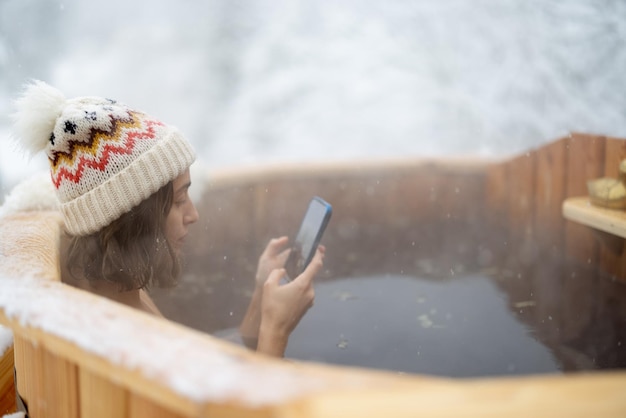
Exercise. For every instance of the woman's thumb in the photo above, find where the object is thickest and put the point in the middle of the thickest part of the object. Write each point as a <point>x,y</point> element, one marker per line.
<point>275,276</point>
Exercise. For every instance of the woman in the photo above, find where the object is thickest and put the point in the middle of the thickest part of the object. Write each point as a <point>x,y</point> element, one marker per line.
<point>122,179</point>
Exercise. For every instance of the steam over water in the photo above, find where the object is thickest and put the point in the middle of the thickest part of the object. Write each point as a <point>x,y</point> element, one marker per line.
<point>275,80</point>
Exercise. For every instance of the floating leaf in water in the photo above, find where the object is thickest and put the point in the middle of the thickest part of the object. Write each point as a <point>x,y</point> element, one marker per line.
<point>351,257</point>
<point>490,271</point>
<point>524,304</point>
<point>425,321</point>
<point>343,296</point>
<point>425,266</point>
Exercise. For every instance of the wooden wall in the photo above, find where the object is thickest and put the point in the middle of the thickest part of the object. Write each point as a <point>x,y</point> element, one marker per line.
<point>7,388</point>
<point>527,194</point>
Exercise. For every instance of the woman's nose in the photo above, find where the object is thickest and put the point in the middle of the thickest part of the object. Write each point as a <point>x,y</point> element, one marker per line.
<point>192,215</point>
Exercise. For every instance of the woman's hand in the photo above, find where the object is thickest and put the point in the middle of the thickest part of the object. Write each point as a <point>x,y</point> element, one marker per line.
<point>273,257</point>
<point>284,306</point>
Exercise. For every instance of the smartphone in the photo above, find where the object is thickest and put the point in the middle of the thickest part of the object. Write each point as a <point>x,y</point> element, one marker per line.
<point>309,235</point>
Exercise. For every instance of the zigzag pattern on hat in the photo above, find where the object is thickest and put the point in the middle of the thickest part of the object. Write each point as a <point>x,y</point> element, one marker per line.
<point>106,133</point>
<point>101,146</point>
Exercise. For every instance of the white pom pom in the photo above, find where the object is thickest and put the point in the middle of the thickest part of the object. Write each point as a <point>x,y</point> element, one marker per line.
<point>33,194</point>
<point>36,113</point>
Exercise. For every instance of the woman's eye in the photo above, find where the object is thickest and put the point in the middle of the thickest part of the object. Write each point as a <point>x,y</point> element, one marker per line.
<point>182,199</point>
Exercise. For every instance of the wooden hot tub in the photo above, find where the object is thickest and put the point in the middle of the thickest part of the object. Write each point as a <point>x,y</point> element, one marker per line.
<point>441,220</point>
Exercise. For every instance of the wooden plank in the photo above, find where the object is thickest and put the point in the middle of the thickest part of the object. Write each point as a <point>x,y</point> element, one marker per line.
<point>406,198</point>
<point>233,410</point>
<point>585,161</point>
<point>30,370</point>
<point>585,156</point>
<point>614,154</point>
<point>140,407</point>
<point>60,386</point>
<point>466,242</point>
<point>612,258</point>
<point>521,189</point>
<point>20,363</point>
<point>464,196</point>
<point>580,210</point>
<point>549,195</point>
<point>420,201</point>
<point>100,397</point>
<point>7,386</point>
<point>7,403</point>
<point>546,277</point>
<point>575,396</point>
<point>496,213</point>
<point>497,191</point>
<point>521,194</point>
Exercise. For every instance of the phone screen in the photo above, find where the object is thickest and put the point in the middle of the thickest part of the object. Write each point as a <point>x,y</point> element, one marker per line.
<point>309,235</point>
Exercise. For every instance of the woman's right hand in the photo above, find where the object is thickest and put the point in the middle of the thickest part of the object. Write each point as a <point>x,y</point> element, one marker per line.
<point>284,306</point>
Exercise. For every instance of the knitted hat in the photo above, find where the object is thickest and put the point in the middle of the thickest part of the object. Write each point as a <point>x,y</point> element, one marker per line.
<point>105,158</point>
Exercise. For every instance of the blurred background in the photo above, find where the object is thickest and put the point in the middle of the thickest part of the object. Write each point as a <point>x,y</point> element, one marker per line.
<point>272,80</point>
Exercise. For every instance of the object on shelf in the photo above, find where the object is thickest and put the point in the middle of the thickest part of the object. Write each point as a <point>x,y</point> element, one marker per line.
<point>608,192</point>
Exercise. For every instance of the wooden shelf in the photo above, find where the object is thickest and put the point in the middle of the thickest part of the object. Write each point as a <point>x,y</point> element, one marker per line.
<point>580,209</point>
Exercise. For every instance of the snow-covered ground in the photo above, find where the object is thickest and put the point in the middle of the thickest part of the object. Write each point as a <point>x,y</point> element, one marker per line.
<point>275,80</point>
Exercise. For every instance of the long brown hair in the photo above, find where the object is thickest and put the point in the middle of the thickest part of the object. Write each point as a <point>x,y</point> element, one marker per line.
<point>132,251</point>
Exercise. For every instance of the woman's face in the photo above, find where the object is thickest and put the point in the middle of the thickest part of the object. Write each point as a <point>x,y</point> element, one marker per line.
<point>182,214</point>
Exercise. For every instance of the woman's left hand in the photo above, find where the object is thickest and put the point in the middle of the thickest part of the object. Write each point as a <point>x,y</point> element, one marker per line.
<point>273,257</point>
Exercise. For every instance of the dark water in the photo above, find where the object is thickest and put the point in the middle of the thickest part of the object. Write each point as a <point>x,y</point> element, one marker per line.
<point>459,328</point>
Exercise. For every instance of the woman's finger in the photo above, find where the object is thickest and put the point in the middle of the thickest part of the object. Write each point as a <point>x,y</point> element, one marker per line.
<point>276,245</point>
<point>283,256</point>
<point>313,268</point>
